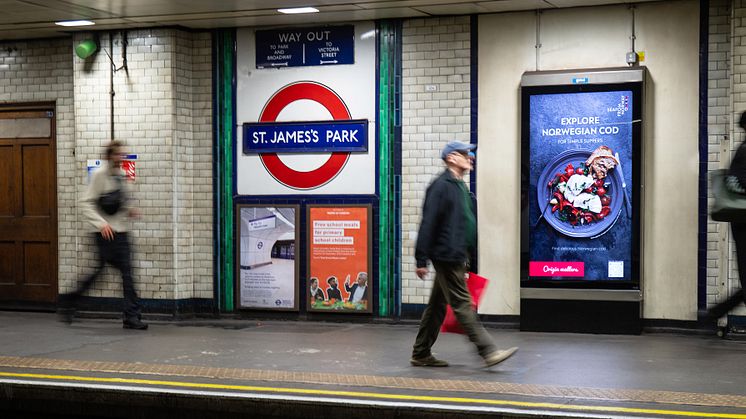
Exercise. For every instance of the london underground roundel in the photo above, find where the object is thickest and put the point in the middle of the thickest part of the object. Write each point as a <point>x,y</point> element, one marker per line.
<point>333,103</point>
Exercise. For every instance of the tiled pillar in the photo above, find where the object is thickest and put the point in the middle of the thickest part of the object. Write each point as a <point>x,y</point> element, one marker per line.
<point>436,108</point>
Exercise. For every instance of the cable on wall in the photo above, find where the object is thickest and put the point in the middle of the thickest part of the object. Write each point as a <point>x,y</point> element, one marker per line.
<point>112,69</point>
<point>537,46</point>
<point>632,56</point>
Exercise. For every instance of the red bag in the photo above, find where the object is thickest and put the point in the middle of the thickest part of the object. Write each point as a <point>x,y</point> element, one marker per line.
<point>476,284</point>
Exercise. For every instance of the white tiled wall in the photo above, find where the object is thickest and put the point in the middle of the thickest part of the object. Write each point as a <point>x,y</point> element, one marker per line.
<point>726,102</point>
<point>163,112</point>
<point>193,165</point>
<point>42,71</point>
<point>435,55</point>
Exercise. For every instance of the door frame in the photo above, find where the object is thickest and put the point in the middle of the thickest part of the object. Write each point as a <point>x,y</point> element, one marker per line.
<point>49,106</point>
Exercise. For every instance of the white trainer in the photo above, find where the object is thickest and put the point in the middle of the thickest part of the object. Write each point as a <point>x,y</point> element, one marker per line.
<point>499,356</point>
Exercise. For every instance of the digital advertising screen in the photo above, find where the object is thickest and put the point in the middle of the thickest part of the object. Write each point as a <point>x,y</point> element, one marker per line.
<point>580,185</point>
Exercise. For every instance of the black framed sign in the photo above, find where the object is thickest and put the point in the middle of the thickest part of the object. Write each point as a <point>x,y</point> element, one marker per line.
<point>267,238</point>
<point>339,259</point>
<point>581,157</point>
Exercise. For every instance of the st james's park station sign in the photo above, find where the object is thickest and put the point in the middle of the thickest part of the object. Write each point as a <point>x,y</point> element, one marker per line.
<point>306,106</point>
<point>305,101</point>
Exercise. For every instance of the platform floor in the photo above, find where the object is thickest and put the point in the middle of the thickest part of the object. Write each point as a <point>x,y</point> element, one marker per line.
<point>313,369</point>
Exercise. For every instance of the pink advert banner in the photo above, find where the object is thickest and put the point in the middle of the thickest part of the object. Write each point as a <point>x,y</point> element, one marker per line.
<point>556,269</point>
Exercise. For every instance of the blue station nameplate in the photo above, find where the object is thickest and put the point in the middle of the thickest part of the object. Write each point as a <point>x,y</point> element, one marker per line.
<point>305,137</point>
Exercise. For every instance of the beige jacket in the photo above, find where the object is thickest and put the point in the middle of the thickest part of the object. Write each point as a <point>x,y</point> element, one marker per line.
<point>102,182</point>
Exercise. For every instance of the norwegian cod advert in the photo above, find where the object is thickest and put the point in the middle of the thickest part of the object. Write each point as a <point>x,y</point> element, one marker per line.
<point>579,196</point>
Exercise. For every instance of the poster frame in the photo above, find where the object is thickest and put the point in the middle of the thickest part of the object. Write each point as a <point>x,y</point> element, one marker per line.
<point>578,81</point>
<point>296,258</point>
<point>369,260</point>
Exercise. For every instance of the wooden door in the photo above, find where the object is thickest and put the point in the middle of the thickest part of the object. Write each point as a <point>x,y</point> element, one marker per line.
<point>28,204</point>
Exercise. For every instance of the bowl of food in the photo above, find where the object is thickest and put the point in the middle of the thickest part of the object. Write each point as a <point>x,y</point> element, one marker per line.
<point>580,193</point>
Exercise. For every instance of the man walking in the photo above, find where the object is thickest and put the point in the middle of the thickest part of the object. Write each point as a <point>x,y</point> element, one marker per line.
<point>105,207</point>
<point>447,237</point>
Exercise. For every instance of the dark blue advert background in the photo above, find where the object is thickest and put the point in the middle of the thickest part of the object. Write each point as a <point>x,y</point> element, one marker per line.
<point>546,243</point>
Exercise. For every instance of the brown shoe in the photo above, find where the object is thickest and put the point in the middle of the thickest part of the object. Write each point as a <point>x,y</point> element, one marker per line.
<point>428,361</point>
<point>497,357</point>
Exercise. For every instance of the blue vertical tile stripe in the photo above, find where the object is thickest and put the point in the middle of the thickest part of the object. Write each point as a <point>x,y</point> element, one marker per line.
<point>382,100</point>
<point>474,111</point>
<point>704,17</point>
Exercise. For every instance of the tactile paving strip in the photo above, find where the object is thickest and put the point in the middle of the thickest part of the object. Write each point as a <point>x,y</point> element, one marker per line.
<point>420,384</point>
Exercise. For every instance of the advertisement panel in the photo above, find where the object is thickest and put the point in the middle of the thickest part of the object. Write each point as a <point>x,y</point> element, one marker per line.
<point>581,153</point>
<point>311,129</point>
<point>268,255</point>
<point>339,252</point>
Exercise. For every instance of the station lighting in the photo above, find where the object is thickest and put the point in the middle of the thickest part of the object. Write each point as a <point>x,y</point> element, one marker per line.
<point>74,23</point>
<point>298,10</point>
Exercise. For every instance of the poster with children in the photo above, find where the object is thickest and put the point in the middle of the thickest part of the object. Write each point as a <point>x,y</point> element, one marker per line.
<point>339,259</point>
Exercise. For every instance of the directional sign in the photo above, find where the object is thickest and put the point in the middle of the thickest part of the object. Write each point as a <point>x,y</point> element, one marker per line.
<point>296,47</point>
<point>305,137</point>
<point>264,223</point>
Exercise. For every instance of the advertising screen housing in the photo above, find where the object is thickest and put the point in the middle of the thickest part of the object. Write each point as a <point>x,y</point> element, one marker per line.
<point>581,167</point>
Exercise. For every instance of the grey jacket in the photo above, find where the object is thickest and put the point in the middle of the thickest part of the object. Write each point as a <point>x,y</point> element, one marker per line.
<point>101,182</point>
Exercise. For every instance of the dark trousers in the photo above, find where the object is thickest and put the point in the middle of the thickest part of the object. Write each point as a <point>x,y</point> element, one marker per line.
<point>450,288</point>
<point>117,253</point>
<point>739,236</point>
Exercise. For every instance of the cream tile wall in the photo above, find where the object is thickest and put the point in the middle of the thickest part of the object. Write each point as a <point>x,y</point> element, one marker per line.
<point>508,47</point>
<point>726,102</point>
<point>435,54</point>
<point>163,112</point>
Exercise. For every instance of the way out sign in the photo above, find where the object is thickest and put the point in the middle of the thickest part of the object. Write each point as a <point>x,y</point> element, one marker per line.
<point>297,47</point>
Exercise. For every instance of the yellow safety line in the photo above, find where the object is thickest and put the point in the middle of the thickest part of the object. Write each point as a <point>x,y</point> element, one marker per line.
<point>407,397</point>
